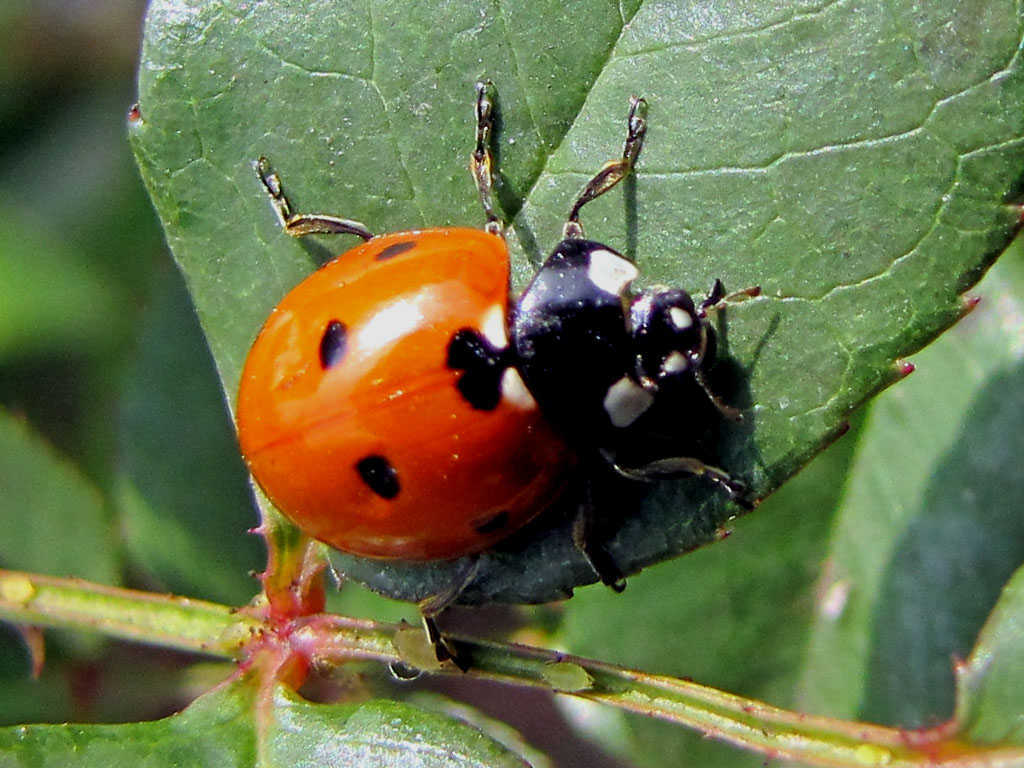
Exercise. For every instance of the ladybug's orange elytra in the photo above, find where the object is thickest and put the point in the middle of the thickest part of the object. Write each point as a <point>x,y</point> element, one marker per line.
<point>370,446</point>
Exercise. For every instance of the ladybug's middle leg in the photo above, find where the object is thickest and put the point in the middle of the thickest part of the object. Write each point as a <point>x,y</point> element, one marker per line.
<point>481,162</point>
<point>613,171</point>
<point>717,299</point>
<point>588,533</point>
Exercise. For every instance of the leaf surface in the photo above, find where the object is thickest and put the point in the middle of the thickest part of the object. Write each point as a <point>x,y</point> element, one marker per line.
<point>221,728</point>
<point>856,161</point>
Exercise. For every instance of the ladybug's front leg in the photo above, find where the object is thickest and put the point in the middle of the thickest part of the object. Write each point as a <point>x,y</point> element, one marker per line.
<point>687,465</point>
<point>301,224</point>
<point>717,297</point>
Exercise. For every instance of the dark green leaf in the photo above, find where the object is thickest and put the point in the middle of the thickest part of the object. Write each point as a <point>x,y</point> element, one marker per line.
<point>53,519</point>
<point>929,528</point>
<point>182,493</point>
<point>990,703</point>
<point>855,161</point>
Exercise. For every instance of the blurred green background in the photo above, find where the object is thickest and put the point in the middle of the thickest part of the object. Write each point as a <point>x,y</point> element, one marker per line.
<point>109,407</point>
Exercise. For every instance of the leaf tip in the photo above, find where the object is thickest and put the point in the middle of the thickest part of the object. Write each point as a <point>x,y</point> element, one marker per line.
<point>968,303</point>
<point>904,368</point>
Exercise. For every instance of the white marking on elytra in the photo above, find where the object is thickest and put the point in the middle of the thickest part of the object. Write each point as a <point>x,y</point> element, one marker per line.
<point>513,389</point>
<point>610,272</point>
<point>680,318</point>
<point>392,323</point>
<point>626,401</point>
<point>675,363</point>
<point>492,325</point>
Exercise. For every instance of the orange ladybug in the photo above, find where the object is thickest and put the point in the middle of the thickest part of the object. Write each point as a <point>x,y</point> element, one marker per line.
<point>397,404</point>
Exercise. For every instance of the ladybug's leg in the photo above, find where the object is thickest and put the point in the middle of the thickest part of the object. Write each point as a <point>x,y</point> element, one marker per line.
<point>434,606</point>
<point>613,171</point>
<point>718,298</point>
<point>444,648</point>
<point>481,162</point>
<point>299,224</point>
<point>677,465</point>
<point>730,412</point>
<point>588,539</point>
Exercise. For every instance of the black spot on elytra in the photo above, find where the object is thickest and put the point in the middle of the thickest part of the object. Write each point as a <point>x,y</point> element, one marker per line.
<point>492,524</point>
<point>378,473</point>
<point>332,344</point>
<point>395,249</point>
<point>483,366</point>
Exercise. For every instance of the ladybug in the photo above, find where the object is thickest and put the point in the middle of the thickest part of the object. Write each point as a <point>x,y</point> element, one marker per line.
<point>398,404</point>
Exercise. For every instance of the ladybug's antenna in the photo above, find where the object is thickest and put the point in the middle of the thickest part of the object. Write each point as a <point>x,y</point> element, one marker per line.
<point>613,171</point>
<point>481,161</point>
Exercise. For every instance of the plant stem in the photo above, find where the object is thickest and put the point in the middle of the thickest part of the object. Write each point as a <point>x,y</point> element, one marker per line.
<point>164,620</point>
<point>327,640</point>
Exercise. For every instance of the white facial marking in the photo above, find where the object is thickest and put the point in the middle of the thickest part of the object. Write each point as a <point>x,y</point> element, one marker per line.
<point>610,272</point>
<point>675,363</point>
<point>513,390</point>
<point>680,318</point>
<point>492,325</point>
<point>625,401</point>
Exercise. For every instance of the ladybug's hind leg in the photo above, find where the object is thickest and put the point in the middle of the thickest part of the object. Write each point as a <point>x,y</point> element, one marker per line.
<point>445,649</point>
<point>613,171</point>
<point>301,224</point>
<point>604,497</point>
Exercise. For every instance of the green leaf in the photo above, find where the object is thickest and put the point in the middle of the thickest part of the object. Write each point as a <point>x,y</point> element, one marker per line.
<point>854,161</point>
<point>53,303</point>
<point>53,519</point>
<point>990,703</point>
<point>929,528</point>
<point>230,726</point>
<point>182,493</point>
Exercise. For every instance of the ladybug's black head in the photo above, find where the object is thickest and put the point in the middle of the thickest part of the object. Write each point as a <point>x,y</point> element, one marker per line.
<point>671,337</point>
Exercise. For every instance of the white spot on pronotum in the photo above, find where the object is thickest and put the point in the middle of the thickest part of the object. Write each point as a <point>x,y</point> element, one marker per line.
<point>514,391</point>
<point>680,318</point>
<point>492,325</point>
<point>675,363</point>
<point>625,401</point>
<point>610,272</point>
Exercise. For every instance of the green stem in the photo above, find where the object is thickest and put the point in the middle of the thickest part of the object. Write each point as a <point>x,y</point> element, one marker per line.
<point>327,640</point>
<point>164,620</point>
